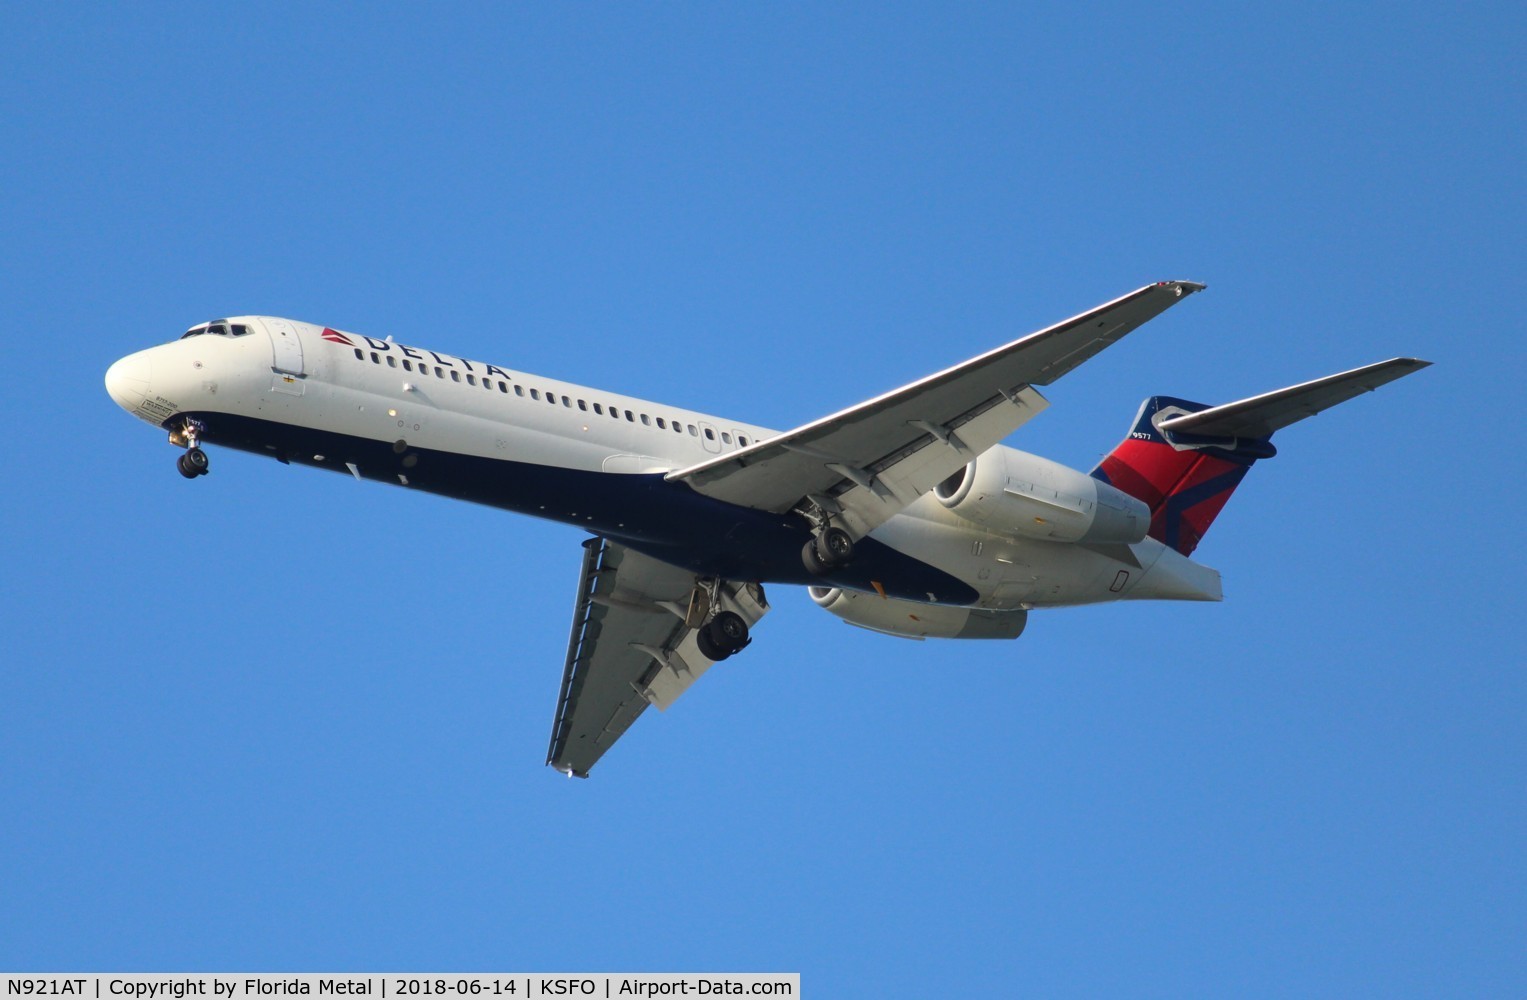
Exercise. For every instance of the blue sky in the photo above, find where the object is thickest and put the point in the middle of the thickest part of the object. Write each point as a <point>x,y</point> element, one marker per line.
<point>273,719</point>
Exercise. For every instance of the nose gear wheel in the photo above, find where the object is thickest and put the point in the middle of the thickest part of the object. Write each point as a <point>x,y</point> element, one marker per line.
<point>193,463</point>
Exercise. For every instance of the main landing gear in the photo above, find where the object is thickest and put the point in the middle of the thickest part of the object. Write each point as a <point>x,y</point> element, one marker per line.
<point>827,550</point>
<point>722,636</point>
<point>194,462</point>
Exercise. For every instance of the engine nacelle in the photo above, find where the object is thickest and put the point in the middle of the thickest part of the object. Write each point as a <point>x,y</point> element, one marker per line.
<point>912,620</point>
<point>1012,492</point>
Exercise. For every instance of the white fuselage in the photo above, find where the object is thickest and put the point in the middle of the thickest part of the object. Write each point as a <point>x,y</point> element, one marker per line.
<point>315,396</point>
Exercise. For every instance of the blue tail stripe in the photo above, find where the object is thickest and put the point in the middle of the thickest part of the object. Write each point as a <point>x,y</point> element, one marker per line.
<point>1179,504</point>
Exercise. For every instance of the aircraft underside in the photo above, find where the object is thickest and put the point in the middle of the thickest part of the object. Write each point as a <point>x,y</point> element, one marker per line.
<point>666,520</point>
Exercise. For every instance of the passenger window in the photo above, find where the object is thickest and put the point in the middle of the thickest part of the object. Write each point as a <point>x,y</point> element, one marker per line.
<point>646,420</point>
<point>551,398</point>
<point>710,435</point>
<point>630,417</point>
<point>439,372</point>
<point>408,365</point>
<point>726,438</point>
<point>519,390</point>
<point>471,380</point>
<point>582,405</point>
<point>455,375</point>
<point>567,402</point>
<point>503,387</point>
<point>742,441</point>
<point>692,431</point>
<point>359,354</point>
<point>374,359</point>
<point>678,428</point>
<point>599,409</point>
<point>392,362</point>
<point>535,394</point>
<point>661,425</point>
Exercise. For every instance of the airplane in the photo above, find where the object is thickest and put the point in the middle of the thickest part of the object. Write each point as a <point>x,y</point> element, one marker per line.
<point>904,514</point>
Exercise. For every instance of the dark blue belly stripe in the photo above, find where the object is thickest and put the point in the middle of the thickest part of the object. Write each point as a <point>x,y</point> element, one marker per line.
<point>667,521</point>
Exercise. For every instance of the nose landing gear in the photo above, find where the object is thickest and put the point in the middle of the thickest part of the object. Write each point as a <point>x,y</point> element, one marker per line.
<point>194,462</point>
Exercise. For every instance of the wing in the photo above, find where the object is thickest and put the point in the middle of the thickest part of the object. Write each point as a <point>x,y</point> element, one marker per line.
<point>1260,415</point>
<point>632,644</point>
<point>869,461</point>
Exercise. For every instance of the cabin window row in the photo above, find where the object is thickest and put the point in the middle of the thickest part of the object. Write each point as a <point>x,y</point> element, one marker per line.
<point>599,409</point>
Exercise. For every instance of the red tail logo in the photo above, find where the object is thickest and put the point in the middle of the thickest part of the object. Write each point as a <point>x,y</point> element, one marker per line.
<point>1184,479</point>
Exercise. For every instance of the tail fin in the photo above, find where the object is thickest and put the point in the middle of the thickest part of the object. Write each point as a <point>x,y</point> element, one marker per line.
<point>1183,478</point>
<point>1183,460</point>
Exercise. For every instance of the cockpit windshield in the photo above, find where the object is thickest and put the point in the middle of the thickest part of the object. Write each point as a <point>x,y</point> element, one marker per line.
<point>217,328</point>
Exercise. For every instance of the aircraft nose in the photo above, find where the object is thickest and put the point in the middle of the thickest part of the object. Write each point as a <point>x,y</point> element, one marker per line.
<point>127,381</point>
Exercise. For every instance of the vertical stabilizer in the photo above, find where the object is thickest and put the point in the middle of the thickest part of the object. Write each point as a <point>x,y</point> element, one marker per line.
<point>1185,479</point>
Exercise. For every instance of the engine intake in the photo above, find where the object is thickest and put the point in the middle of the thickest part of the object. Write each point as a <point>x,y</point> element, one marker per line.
<point>911,620</point>
<point>1012,492</point>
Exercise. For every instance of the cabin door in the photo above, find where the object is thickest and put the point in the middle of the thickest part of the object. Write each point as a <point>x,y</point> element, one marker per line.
<point>285,347</point>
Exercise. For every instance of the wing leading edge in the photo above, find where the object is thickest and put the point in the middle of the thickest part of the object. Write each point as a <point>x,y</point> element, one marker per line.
<point>632,645</point>
<point>869,461</point>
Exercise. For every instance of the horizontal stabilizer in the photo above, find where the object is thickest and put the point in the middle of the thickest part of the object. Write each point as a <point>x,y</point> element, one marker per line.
<point>1259,416</point>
